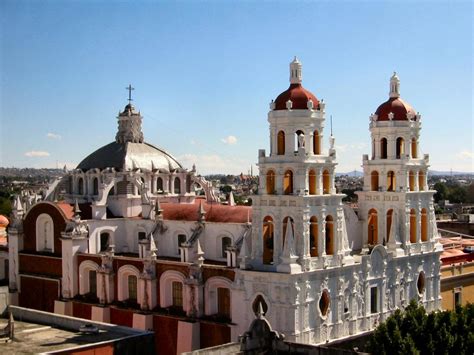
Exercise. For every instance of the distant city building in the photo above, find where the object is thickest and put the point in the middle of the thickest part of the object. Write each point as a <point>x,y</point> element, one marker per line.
<point>123,238</point>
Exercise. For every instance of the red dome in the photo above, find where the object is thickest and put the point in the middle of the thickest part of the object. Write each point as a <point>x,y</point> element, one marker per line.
<point>298,95</point>
<point>397,106</point>
<point>3,221</point>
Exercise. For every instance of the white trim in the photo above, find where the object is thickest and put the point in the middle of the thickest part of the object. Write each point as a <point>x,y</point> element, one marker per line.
<point>84,268</point>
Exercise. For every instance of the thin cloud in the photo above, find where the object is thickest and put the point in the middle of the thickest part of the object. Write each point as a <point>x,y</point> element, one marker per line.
<point>37,153</point>
<point>465,155</point>
<point>229,140</point>
<point>53,136</point>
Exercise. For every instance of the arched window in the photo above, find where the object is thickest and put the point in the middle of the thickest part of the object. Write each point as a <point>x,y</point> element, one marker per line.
<point>414,148</point>
<point>383,148</point>
<point>80,186</point>
<point>288,182</point>
<point>324,302</point>
<point>177,185</point>
<point>391,181</point>
<point>326,182</point>
<point>313,236</point>
<point>411,179</point>
<point>299,140</point>
<point>268,229</point>
<point>259,300</point>
<point>181,239</point>
<point>95,186</point>
<point>329,235</point>
<point>389,223</point>
<point>424,225</point>
<point>104,241</point>
<point>374,180</point>
<point>159,185</point>
<point>287,220</point>
<point>312,182</point>
<point>88,278</point>
<point>270,182</point>
<point>316,143</point>
<point>177,294</point>
<point>225,243</point>
<point>421,181</point>
<point>372,225</point>
<point>132,288</point>
<point>400,147</point>
<point>223,302</point>
<point>420,283</point>
<point>412,226</point>
<point>44,233</point>
<point>281,143</point>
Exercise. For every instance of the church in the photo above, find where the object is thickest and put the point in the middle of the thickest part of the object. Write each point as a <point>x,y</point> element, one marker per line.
<point>124,238</point>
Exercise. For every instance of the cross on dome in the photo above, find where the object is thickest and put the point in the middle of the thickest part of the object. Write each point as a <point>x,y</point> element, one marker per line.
<point>129,88</point>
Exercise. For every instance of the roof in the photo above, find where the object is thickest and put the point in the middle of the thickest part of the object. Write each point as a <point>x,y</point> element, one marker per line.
<point>397,106</point>
<point>453,250</point>
<point>129,156</point>
<point>4,221</point>
<point>214,212</point>
<point>299,97</point>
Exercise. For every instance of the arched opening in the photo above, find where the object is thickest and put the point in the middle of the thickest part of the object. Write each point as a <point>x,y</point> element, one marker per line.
<point>104,241</point>
<point>420,283</point>
<point>400,147</point>
<point>80,186</point>
<point>316,143</point>
<point>411,180</point>
<point>372,225</point>
<point>287,220</point>
<point>313,236</point>
<point>45,233</point>
<point>329,235</point>
<point>259,300</point>
<point>324,303</point>
<point>95,186</point>
<point>326,182</point>
<point>414,148</point>
<point>132,288</point>
<point>383,148</point>
<point>421,181</point>
<point>226,242</point>
<point>281,143</point>
<point>177,295</point>
<point>299,140</point>
<point>223,302</point>
<point>412,226</point>
<point>391,181</point>
<point>288,182</point>
<point>374,180</point>
<point>424,225</point>
<point>159,185</point>
<point>177,185</point>
<point>268,229</point>
<point>312,181</point>
<point>270,182</point>
<point>389,224</point>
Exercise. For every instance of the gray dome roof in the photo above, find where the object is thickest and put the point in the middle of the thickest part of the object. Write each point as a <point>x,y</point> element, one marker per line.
<point>129,156</point>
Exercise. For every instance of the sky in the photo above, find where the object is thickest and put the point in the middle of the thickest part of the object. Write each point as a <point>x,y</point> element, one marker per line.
<point>204,73</point>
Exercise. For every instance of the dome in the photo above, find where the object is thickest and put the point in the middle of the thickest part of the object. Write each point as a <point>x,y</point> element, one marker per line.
<point>129,156</point>
<point>397,106</point>
<point>4,222</point>
<point>299,97</point>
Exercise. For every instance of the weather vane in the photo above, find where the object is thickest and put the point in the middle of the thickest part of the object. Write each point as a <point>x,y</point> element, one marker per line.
<point>129,88</point>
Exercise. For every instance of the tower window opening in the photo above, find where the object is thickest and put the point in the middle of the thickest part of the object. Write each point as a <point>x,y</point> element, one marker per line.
<point>316,143</point>
<point>374,181</point>
<point>421,181</point>
<point>225,243</point>
<point>329,228</point>
<point>281,143</point>
<point>92,282</point>
<point>372,224</point>
<point>95,186</point>
<point>181,240</point>
<point>391,181</point>
<point>159,184</point>
<point>420,283</point>
<point>80,186</point>
<point>104,241</point>
<point>270,182</point>
<point>313,236</point>
<point>424,225</point>
<point>374,300</point>
<point>299,140</point>
<point>268,229</point>
<point>326,182</point>
<point>288,182</point>
<point>312,181</point>
<point>389,223</point>
<point>177,185</point>
<point>414,148</point>
<point>324,302</point>
<point>400,147</point>
<point>383,148</point>
<point>411,180</point>
<point>412,226</point>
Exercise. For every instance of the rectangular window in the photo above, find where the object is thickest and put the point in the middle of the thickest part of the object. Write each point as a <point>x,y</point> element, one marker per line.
<point>132,288</point>
<point>223,302</point>
<point>177,294</point>
<point>457,297</point>
<point>141,235</point>
<point>373,300</point>
<point>92,282</point>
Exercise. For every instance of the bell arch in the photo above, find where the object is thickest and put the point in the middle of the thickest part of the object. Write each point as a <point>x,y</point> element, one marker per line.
<point>400,148</point>
<point>326,182</point>
<point>281,143</point>
<point>268,237</point>
<point>412,226</point>
<point>414,148</point>
<point>288,182</point>
<point>372,227</point>
<point>312,181</point>
<point>388,224</point>
<point>316,143</point>
<point>383,148</point>
<point>313,236</point>
<point>391,181</point>
<point>270,182</point>
<point>374,180</point>
<point>424,225</point>
<point>329,228</point>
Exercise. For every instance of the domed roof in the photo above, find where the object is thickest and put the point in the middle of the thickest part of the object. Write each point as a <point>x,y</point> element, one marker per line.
<point>129,156</point>
<point>299,97</point>
<point>397,106</point>
<point>4,222</point>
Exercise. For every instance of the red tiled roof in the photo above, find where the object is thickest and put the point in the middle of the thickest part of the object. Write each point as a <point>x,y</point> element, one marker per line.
<point>298,95</point>
<point>397,106</point>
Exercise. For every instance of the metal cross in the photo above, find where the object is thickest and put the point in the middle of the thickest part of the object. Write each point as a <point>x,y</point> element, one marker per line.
<point>129,88</point>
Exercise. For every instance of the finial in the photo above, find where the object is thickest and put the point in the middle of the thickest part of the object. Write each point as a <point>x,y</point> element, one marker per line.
<point>260,312</point>
<point>295,71</point>
<point>231,199</point>
<point>158,209</point>
<point>129,88</point>
<point>17,204</point>
<point>77,211</point>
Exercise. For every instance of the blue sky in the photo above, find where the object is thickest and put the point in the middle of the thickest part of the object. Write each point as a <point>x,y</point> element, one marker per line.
<point>206,71</point>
